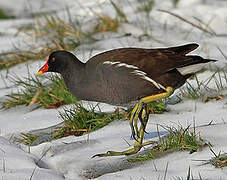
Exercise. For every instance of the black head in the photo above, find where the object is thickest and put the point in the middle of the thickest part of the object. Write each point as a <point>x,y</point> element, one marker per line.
<point>58,61</point>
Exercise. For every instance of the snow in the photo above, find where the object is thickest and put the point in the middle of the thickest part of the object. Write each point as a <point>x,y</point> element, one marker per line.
<point>17,164</point>
<point>70,157</point>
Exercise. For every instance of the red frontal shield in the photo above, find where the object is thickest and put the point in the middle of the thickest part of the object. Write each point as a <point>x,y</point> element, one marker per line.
<point>43,69</point>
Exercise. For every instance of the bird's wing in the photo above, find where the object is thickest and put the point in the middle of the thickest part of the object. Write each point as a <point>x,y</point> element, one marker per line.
<point>154,62</point>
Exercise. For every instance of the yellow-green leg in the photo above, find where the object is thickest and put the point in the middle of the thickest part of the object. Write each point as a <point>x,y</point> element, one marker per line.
<point>140,107</point>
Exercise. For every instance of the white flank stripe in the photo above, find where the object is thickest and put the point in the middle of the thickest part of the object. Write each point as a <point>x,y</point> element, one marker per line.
<point>119,64</point>
<point>143,74</point>
<point>135,71</point>
<point>191,69</point>
<point>159,86</point>
<point>110,63</point>
<point>138,72</point>
<point>126,65</point>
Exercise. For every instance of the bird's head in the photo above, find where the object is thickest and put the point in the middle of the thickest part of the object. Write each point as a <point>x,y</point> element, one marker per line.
<point>57,62</point>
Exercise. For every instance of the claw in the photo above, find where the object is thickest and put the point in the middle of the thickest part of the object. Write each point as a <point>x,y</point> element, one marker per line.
<point>97,155</point>
<point>108,153</point>
<point>125,153</point>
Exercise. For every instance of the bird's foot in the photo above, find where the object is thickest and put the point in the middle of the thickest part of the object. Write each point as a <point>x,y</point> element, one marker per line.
<point>115,153</point>
<point>134,150</point>
<point>140,111</point>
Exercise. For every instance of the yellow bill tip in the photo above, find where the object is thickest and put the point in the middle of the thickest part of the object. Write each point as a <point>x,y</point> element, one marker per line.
<point>39,73</point>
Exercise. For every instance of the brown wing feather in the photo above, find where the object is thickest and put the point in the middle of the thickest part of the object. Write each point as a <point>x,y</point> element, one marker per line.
<point>183,50</point>
<point>154,62</point>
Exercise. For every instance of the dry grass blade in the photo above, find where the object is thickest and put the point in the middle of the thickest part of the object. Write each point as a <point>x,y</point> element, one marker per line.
<point>206,25</point>
<point>35,98</point>
<point>119,12</point>
<point>106,23</point>
<point>223,54</point>
<point>189,22</point>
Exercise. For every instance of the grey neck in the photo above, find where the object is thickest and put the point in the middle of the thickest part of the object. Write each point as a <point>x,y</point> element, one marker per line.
<point>75,73</point>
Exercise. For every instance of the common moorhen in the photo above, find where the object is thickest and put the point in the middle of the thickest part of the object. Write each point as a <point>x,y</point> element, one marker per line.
<point>127,75</point>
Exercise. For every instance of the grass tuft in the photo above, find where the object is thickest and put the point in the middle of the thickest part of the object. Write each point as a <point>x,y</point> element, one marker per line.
<point>60,34</point>
<point>181,139</point>
<point>106,23</point>
<point>79,120</point>
<point>51,94</point>
<point>4,15</point>
<point>203,90</point>
<point>157,107</point>
<point>220,161</point>
<point>177,140</point>
<point>26,138</point>
<point>147,6</point>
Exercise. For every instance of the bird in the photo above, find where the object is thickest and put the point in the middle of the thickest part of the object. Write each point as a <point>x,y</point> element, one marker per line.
<point>125,76</point>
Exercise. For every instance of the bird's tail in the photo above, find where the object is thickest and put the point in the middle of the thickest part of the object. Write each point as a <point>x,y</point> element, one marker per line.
<point>195,65</point>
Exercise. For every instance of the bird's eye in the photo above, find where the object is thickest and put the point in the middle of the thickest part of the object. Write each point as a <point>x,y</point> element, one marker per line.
<point>52,60</point>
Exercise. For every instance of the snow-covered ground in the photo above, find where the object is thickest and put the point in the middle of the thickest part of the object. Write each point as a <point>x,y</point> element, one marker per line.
<point>70,157</point>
